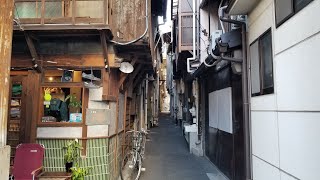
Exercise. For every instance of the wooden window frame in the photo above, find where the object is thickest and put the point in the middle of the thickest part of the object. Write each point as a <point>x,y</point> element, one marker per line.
<point>294,12</point>
<point>85,100</point>
<point>269,90</point>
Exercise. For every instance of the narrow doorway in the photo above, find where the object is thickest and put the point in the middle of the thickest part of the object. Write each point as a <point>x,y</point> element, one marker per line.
<point>18,130</point>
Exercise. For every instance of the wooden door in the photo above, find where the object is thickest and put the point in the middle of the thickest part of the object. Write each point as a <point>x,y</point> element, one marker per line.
<point>17,114</point>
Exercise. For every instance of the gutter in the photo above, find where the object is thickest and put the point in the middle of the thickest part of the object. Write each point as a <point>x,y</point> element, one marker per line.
<point>245,96</point>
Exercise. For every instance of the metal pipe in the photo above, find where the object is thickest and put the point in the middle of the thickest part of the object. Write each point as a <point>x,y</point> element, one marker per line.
<point>231,59</point>
<point>141,107</point>
<point>220,10</point>
<point>146,103</point>
<point>136,40</point>
<point>245,96</point>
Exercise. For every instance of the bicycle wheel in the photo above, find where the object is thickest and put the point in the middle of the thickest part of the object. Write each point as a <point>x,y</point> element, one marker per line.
<point>131,166</point>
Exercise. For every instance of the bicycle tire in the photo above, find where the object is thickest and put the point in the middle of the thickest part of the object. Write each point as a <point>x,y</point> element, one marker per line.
<point>136,169</point>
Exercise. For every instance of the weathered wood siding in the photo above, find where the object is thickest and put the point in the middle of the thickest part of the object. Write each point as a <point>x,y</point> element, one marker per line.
<point>6,15</point>
<point>127,18</point>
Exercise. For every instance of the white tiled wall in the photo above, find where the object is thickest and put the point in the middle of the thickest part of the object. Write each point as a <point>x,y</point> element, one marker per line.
<point>299,135</point>
<point>260,20</point>
<point>265,143</point>
<point>285,176</point>
<point>297,71</point>
<point>307,20</point>
<point>264,103</point>
<point>286,125</point>
<point>264,171</point>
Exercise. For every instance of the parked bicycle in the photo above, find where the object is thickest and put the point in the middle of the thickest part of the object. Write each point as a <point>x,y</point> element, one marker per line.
<point>131,165</point>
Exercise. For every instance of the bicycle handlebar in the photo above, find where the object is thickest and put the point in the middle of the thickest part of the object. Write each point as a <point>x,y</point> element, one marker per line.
<point>141,132</point>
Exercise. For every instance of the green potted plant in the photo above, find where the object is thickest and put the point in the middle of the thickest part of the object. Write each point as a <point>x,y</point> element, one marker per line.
<point>73,102</point>
<point>72,154</point>
<point>78,173</point>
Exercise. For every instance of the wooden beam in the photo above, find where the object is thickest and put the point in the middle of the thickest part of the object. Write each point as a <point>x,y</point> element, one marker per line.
<point>123,76</point>
<point>33,103</point>
<point>18,73</point>
<point>31,24</point>
<point>33,52</point>
<point>138,79</point>
<point>104,48</point>
<point>52,61</point>
<point>132,77</point>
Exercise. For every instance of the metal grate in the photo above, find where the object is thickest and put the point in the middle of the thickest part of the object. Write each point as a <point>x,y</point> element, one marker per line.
<point>27,10</point>
<point>53,9</point>
<point>186,30</point>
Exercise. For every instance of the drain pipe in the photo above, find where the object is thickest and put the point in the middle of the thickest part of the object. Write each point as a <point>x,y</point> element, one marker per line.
<point>245,96</point>
<point>146,103</point>
<point>194,57</point>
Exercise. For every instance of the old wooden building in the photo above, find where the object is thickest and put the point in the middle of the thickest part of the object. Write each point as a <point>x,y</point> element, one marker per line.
<point>66,81</point>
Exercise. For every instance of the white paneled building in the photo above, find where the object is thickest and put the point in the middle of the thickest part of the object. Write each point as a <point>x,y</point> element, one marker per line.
<point>283,42</point>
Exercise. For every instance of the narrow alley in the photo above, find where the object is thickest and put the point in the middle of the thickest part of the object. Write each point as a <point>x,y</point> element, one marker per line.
<point>159,89</point>
<point>167,156</point>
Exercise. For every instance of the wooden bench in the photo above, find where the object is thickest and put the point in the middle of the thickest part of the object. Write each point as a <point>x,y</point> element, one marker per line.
<point>54,176</point>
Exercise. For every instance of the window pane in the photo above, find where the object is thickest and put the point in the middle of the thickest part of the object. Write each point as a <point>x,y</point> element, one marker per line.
<point>266,58</point>
<point>62,104</point>
<point>53,9</point>
<point>283,9</point>
<point>255,72</point>
<point>300,4</point>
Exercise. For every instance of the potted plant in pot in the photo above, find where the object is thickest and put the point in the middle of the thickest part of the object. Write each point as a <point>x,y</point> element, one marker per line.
<point>73,102</point>
<point>78,173</point>
<point>72,154</point>
<point>74,108</point>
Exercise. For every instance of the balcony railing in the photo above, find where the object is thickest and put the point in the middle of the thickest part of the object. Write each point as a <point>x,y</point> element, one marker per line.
<point>67,12</point>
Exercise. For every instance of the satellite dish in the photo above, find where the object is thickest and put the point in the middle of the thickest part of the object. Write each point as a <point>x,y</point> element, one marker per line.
<point>126,67</point>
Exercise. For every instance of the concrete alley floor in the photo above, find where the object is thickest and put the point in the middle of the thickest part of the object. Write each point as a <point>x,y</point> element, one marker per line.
<point>167,156</point>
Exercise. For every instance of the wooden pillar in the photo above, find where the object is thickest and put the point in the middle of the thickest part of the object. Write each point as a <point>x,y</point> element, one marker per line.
<point>6,28</point>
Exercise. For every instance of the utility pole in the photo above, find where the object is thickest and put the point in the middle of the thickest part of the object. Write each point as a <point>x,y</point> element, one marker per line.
<point>6,30</point>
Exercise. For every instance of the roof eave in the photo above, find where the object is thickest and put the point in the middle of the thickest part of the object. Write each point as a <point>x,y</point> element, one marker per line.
<point>241,7</point>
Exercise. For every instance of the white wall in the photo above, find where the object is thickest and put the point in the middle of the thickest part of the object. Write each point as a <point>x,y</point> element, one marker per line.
<point>286,125</point>
<point>213,25</point>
